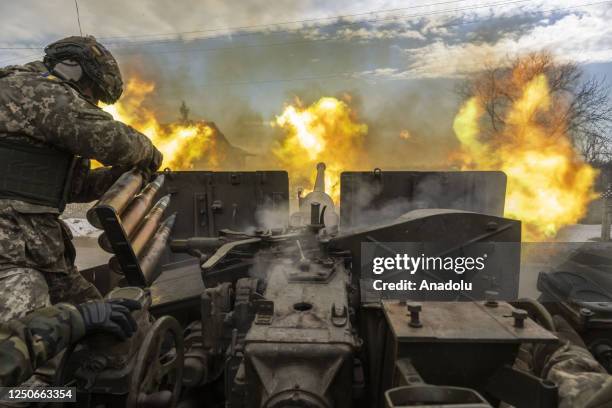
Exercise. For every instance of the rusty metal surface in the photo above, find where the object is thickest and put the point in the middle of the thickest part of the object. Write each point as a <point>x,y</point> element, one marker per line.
<point>453,322</point>
<point>385,195</point>
<point>303,309</point>
<point>313,375</point>
<point>302,321</point>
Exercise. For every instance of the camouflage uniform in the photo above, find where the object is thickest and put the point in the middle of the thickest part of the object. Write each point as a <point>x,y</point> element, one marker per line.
<point>36,252</point>
<point>582,381</point>
<point>27,343</point>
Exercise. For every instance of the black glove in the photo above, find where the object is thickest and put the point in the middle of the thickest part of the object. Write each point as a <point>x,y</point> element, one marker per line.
<point>110,316</point>
<point>156,160</point>
<point>150,166</point>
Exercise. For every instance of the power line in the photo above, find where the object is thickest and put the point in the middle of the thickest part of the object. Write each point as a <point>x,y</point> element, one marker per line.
<point>309,20</point>
<point>246,27</point>
<point>445,11</point>
<point>306,41</point>
<point>238,34</point>
<point>76,5</point>
<point>185,49</point>
<point>343,24</point>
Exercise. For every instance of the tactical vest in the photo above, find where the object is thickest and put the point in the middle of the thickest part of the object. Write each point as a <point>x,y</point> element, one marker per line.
<point>35,175</point>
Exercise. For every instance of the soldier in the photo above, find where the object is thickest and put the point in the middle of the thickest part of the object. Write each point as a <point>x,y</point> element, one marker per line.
<point>582,381</point>
<point>29,342</point>
<point>50,126</point>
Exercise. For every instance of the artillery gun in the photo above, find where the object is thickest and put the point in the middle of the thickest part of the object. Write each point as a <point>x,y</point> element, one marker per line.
<point>279,314</point>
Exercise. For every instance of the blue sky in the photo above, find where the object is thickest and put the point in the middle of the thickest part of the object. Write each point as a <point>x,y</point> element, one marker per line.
<point>237,63</point>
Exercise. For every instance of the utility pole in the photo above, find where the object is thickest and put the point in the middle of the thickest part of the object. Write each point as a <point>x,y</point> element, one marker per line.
<point>184,111</point>
<point>607,213</point>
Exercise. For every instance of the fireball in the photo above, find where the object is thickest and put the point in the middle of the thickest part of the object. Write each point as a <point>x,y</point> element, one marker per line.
<point>182,144</point>
<point>326,131</point>
<point>549,186</point>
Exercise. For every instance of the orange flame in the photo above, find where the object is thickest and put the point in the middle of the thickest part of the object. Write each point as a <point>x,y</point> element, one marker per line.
<point>182,144</point>
<point>326,131</point>
<point>549,186</point>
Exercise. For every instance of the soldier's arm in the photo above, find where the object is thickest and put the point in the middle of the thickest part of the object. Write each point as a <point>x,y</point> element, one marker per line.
<point>94,183</point>
<point>582,381</point>
<point>70,122</point>
<point>27,343</point>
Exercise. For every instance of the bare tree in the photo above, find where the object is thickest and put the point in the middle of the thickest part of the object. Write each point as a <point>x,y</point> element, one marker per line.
<point>581,106</point>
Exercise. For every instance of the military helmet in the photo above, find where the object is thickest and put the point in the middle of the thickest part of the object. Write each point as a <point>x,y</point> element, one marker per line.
<point>96,61</point>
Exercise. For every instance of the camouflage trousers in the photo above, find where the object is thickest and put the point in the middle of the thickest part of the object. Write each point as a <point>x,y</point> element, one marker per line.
<point>23,290</point>
<point>582,381</point>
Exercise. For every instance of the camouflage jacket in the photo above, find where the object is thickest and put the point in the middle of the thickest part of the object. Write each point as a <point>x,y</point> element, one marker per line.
<point>39,109</point>
<point>27,343</point>
<point>582,381</point>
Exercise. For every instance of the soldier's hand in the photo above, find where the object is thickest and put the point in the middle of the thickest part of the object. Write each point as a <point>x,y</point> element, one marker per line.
<point>156,161</point>
<point>150,166</point>
<point>111,316</point>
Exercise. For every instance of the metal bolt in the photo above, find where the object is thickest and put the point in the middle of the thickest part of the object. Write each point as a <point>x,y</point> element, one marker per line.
<point>492,226</point>
<point>490,298</point>
<point>519,318</point>
<point>414,309</point>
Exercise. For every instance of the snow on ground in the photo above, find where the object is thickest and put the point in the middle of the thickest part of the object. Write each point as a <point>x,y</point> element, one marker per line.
<point>80,227</point>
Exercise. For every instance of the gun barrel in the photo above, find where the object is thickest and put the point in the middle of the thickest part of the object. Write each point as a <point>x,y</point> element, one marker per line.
<point>149,225</point>
<point>135,211</point>
<point>118,196</point>
<point>320,180</point>
<point>150,259</point>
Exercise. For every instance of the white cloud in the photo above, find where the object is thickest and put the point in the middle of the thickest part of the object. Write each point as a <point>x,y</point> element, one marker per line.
<point>441,45</point>
<point>385,74</point>
<point>584,38</point>
<point>363,33</point>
